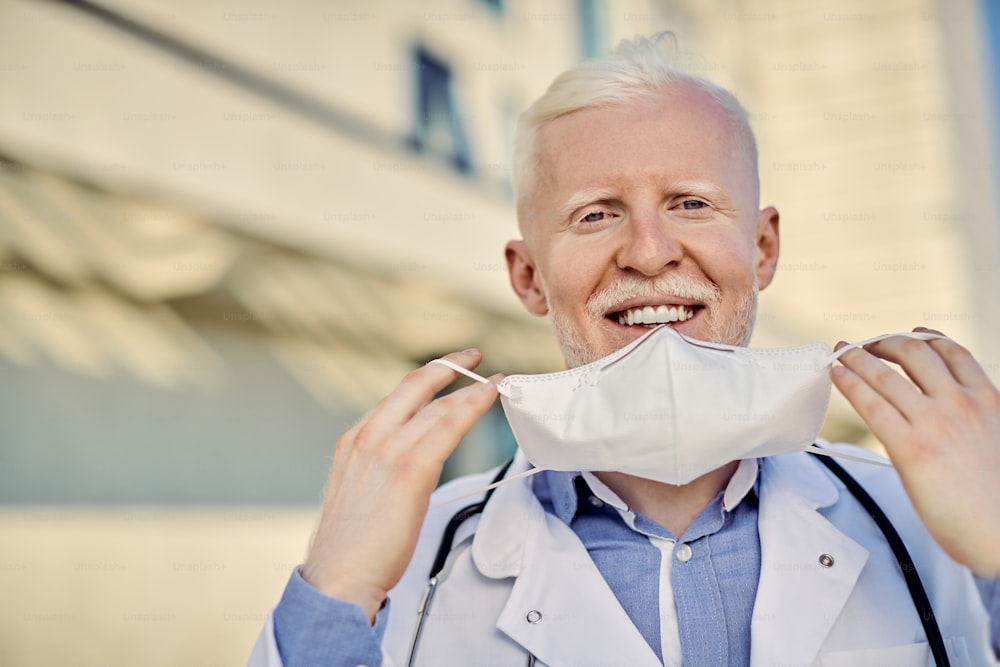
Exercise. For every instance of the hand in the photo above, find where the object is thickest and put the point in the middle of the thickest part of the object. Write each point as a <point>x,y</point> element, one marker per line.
<point>942,432</point>
<point>384,470</point>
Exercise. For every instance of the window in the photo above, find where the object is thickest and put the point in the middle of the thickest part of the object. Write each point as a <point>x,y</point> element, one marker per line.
<point>495,5</point>
<point>437,125</point>
<point>591,28</point>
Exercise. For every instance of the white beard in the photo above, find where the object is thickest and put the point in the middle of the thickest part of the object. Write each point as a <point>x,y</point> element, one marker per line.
<point>734,329</point>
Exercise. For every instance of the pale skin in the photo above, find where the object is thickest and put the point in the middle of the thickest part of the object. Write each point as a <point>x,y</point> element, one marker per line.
<point>384,470</point>
<point>632,190</point>
<point>942,432</point>
<point>650,194</point>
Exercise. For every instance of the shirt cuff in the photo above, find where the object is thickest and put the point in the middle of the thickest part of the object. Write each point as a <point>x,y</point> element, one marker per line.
<point>312,629</point>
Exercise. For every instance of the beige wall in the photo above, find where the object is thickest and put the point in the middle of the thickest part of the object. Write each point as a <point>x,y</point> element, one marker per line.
<point>157,587</point>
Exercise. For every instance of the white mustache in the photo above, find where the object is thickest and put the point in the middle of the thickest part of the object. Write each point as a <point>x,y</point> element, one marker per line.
<point>634,287</point>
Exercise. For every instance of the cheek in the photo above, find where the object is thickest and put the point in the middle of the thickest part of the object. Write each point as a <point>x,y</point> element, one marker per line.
<point>727,259</point>
<point>566,290</point>
<point>574,271</point>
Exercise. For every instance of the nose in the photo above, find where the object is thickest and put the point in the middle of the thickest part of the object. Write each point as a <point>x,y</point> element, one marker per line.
<point>650,244</point>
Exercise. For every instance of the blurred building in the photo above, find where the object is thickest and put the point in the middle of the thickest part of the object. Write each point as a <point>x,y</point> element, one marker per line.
<point>227,228</point>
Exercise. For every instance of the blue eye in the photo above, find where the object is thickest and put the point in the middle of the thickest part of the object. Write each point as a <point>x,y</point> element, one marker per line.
<point>596,216</point>
<point>693,204</point>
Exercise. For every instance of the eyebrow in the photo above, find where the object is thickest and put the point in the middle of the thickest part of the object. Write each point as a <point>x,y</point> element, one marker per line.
<point>702,188</point>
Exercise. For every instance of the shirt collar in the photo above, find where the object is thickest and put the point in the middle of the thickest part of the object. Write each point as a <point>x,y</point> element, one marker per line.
<point>741,483</point>
<point>565,501</point>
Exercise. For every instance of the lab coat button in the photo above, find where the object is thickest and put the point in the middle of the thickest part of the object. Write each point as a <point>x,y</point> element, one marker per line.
<point>683,553</point>
<point>534,616</point>
<point>826,560</point>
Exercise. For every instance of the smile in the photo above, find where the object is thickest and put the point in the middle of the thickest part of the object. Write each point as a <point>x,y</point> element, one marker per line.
<point>655,315</point>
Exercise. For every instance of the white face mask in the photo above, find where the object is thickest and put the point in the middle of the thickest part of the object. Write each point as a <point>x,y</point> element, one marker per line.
<point>671,409</point>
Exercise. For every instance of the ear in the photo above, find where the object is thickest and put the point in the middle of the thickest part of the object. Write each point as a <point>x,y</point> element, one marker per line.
<point>524,278</point>
<point>767,245</point>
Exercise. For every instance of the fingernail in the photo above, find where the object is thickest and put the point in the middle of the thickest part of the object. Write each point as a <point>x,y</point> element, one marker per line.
<point>493,382</point>
<point>471,350</point>
<point>840,344</point>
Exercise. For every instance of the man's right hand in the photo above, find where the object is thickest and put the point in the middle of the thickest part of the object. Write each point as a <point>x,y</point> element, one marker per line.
<point>384,470</point>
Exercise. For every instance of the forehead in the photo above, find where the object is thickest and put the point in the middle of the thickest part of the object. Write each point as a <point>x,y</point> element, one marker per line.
<point>679,133</point>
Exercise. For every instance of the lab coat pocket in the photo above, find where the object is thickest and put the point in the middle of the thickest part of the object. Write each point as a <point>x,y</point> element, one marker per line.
<point>910,655</point>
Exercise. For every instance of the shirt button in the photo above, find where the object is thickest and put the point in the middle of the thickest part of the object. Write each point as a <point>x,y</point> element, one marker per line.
<point>683,553</point>
<point>596,502</point>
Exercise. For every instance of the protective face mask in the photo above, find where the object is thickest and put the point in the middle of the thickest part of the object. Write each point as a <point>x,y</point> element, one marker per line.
<point>669,408</point>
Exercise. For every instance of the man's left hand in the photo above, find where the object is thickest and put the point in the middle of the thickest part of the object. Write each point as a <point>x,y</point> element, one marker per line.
<point>941,429</point>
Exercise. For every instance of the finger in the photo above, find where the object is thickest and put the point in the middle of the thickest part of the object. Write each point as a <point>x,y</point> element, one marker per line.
<point>885,381</point>
<point>441,425</point>
<point>885,421</point>
<point>418,388</point>
<point>960,361</point>
<point>919,361</point>
<point>961,364</point>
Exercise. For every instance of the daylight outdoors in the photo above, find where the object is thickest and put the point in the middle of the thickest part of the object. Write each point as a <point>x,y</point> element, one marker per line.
<point>228,228</point>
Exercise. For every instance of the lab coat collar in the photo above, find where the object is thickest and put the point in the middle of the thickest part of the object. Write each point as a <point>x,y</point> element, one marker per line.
<point>498,548</point>
<point>798,598</point>
<point>560,608</point>
<point>499,543</point>
<point>808,566</point>
<point>797,474</point>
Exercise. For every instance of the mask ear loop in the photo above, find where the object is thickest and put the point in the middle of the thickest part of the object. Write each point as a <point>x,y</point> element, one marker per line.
<point>484,489</point>
<point>918,335</point>
<point>467,373</point>
<point>506,392</point>
<point>812,448</point>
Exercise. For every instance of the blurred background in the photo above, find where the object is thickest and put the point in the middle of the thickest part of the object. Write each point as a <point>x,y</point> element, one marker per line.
<point>228,228</point>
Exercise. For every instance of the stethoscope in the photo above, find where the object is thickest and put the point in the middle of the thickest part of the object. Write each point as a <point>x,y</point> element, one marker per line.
<point>899,551</point>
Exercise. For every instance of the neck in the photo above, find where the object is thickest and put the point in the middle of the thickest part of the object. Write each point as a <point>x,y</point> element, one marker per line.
<point>673,507</point>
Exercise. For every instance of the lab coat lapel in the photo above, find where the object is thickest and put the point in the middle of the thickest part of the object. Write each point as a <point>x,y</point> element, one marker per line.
<point>560,608</point>
<point>808,566</point>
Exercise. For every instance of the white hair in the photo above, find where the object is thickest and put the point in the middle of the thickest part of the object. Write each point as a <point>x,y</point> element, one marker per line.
<point>637,69</point>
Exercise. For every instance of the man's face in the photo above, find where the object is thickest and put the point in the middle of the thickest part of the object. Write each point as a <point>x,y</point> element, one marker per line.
<point>643,213</point>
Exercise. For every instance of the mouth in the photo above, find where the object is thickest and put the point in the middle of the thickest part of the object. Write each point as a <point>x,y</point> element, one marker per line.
<point>652,315</point>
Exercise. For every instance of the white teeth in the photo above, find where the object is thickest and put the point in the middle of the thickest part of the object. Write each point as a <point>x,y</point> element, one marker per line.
<point>655,315</point>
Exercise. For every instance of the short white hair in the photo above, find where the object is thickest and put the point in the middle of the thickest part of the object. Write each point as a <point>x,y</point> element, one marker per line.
<point>637,69</point>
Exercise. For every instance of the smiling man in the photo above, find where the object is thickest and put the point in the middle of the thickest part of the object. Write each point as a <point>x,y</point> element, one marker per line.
<point>638,203</point>
<point>622,231</point>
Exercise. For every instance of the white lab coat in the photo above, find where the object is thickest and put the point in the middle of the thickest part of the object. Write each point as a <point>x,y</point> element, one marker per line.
<point>516,563</point>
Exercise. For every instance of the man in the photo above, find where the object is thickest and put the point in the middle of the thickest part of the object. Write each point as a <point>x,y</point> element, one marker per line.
<point>637,199</point>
